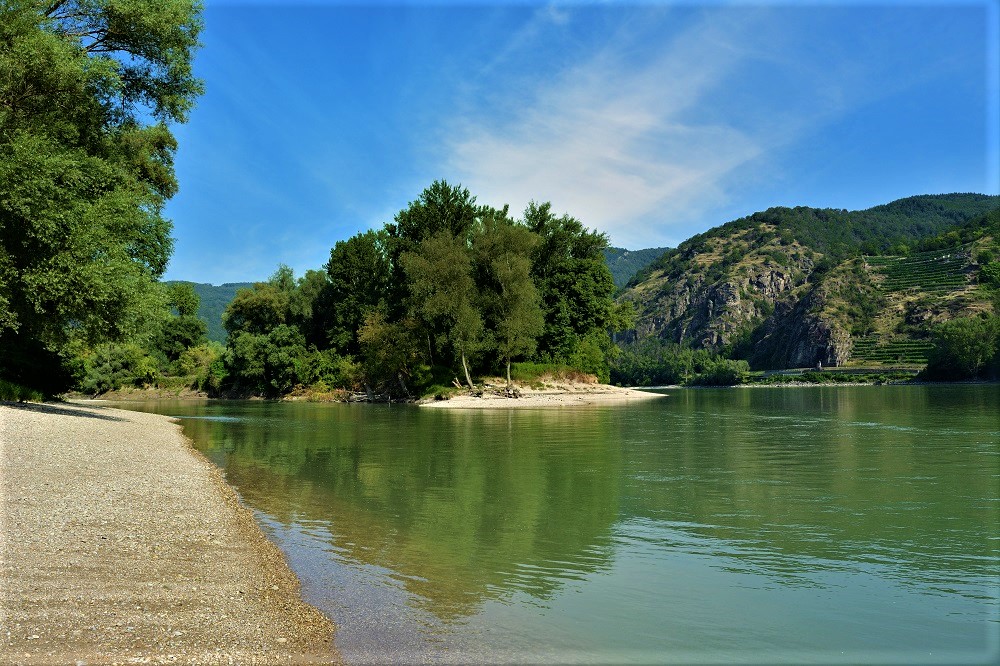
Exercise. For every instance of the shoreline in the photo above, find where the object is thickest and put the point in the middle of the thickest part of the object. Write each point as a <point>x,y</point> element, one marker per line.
<point>564,395</point>
<point>120,543</point>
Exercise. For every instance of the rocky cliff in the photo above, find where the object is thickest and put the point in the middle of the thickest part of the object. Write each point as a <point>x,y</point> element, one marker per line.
<point>755,289</point>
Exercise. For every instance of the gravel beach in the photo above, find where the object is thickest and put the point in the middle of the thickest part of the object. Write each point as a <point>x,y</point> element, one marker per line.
<point>121,544</point>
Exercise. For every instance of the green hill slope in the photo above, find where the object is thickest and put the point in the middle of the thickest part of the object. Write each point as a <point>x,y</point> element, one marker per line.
<point>214,299</point>
<point>624,264</point>
<point>788,287</point>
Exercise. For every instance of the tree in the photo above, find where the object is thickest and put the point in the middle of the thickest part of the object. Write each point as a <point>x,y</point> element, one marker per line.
<point>503,252</point>
<point>965,348</point>
<point>440,208</point>
<point>443,294</point>
<point>359,273</point>
<point>263,307</point>
<point>574,281</point>
<point>84,173</point>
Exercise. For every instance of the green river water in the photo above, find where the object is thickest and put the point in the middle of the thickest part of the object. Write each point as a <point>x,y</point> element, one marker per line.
<point>763,525</point>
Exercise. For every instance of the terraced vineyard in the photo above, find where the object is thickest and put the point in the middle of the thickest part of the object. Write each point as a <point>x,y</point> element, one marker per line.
<point>874,350</point>
<point>937,271</point>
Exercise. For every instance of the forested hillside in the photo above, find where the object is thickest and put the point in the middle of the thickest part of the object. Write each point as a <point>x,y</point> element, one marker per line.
<point>797,287</point>
<point>625,264</point>
<point>214,300</point>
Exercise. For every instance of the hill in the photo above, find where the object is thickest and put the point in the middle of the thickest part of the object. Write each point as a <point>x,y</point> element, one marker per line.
<point>624,264</point>
<point>214,299</point>
<point>790,287</point>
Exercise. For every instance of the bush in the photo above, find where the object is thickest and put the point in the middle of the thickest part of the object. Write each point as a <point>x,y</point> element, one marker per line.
<point>966,348</point>
<point>723,372</point>
<point>111,366</point>
<point>989,275</point>
<point>17,393</point>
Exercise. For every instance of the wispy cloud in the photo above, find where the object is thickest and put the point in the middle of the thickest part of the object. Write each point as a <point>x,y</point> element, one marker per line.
<point>611,142</point>
<point>671,117</point>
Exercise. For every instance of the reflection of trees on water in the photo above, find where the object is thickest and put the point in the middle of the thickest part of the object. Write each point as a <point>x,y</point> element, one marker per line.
<point>462,507</point>
<point>864,476</point>
<point>784,483</point>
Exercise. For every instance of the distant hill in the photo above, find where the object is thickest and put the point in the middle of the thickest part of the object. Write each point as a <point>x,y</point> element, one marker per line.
<point>624,264</point>
<point>788,287</point>
<point>214,299</point>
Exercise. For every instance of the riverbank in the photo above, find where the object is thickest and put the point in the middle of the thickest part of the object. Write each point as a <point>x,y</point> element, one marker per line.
<point>552,395</point>
<point>120,544</point>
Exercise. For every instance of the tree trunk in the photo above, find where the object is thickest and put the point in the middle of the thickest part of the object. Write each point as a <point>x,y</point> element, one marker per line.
<point>402,384</point>
<point>468,379</point>
<point>508,374</point>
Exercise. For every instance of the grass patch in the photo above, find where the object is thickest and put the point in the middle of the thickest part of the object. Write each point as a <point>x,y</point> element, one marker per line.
<point>16,393</point>
<point>535,373</point>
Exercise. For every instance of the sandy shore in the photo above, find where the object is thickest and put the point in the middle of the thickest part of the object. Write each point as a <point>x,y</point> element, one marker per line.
<point>120,544</point>
<point>557,396</point>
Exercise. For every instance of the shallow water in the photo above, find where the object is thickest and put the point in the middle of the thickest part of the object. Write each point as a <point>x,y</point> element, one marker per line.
<point>816,524</point>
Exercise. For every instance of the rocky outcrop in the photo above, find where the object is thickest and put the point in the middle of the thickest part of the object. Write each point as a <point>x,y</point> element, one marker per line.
<point>797,335</point>
<point>710,313</point>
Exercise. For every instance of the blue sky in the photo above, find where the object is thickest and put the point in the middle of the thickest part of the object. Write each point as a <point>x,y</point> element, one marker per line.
<point>650,121</point>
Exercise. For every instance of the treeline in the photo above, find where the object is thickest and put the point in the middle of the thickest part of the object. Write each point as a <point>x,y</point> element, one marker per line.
<point>447,292</point>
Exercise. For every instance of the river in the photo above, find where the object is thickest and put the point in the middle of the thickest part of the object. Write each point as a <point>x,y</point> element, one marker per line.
<point>760,525</point>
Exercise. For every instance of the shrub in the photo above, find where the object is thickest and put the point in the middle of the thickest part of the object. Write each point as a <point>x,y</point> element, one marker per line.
<point>111,366</point>
<point>965,348</point>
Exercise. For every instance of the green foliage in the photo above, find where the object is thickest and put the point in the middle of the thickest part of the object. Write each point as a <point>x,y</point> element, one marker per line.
<point>722,372</point>
<point>575,284</point>
<point>213,301</point>
<point>16,393</point>
<point>269,363</point>
<point>12,392</point>
<point>837,377</point>
<point>443,294</point>
<point>965,348</point>
<point>508,297</point>
<point>204,367</point>
<point>359,272</point>
<point>83,173</point>
<point>656,362</point>
<point>989,275</point>
<point>260,309</point>
<point>624,264</point>
<point>111,366</point>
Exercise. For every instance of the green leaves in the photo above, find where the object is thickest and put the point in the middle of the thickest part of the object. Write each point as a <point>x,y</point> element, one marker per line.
<point>82,178</point>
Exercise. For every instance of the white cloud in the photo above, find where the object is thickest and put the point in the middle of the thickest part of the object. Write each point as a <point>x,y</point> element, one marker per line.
<point>613,144</point>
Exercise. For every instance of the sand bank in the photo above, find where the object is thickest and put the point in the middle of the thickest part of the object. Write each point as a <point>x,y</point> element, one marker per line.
<point>120,544</point>
<point>557,396</point>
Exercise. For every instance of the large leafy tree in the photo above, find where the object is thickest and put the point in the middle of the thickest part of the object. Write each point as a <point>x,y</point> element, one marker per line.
<point>88,89</point>
<point>440,209</point>
<point>359,273</point>
<point>443,295</point>
<point>502,250</point>
<point>574,281</point>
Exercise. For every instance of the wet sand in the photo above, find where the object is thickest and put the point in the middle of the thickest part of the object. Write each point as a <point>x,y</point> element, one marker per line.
<point>121,544</point>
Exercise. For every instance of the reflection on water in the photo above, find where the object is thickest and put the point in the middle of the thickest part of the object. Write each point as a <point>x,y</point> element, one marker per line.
<point>829,524</point>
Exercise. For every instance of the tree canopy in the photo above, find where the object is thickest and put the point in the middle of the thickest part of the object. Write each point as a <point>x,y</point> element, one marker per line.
<point>86,163</point>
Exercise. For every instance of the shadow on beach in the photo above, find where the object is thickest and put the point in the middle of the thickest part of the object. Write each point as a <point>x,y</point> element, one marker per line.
<point>61,410</point>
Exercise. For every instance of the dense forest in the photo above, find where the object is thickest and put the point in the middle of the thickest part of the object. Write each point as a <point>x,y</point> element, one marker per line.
<point>448,292</point>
